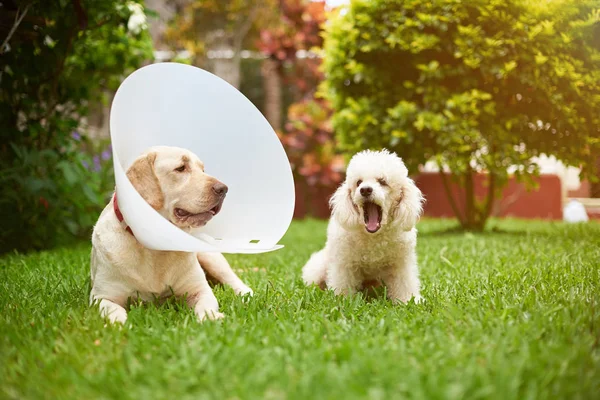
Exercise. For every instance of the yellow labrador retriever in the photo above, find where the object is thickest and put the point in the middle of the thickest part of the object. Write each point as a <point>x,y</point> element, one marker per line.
<point>173,182</point>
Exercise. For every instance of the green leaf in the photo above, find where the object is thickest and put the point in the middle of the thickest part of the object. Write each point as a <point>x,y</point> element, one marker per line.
<point>69,172</point>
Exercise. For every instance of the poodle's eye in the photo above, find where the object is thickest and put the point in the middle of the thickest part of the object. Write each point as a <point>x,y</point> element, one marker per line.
<point>180,169</point>
<point>382,182</point>
<point>358,183</point>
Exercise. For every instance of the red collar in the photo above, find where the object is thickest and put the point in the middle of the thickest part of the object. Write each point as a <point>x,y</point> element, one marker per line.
<point>119,215</point>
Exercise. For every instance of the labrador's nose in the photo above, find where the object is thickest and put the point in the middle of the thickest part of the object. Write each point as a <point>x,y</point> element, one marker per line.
<point>220,189</point>
<point>366,191</point>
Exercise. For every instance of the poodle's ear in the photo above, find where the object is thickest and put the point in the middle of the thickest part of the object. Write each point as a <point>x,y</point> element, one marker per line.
<point>409,206</point>
<point>343,208</point>
<point>144,180</point>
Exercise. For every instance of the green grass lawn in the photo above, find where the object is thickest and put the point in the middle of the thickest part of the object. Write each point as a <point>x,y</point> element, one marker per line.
<point>513,313</point>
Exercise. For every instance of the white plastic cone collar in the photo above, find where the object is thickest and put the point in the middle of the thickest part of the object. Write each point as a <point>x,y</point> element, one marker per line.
<point>172,104</point>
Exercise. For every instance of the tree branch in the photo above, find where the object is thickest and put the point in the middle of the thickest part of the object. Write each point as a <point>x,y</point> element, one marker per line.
<point>489,201</point>
<point>503,206</point>
<point>18,19</point>
<point>244,28</point>
<point>470,210</point>
<point>82,18</point>
<point>448,191</point>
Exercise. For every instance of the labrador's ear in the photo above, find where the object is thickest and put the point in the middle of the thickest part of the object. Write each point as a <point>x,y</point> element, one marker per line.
<point>144,180</point>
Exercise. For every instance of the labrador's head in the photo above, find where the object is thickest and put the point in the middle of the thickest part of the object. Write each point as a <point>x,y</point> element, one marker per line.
<point>172,180</point>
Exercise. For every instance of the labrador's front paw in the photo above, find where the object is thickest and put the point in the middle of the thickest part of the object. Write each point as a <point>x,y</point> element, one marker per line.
<point>244,291</point>
<point>116,316</point>
<point>211,315</point>
<point>113,312</point>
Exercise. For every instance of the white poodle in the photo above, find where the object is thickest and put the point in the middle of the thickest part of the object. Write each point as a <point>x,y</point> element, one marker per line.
<point>371,237</point>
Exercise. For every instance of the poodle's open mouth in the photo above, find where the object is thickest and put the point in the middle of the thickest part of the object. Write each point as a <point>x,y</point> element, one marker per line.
<point>372,213</point>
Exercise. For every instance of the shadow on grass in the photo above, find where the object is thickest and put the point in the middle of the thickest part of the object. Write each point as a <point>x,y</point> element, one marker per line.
<point>458,230</point>
<point>514,228</point>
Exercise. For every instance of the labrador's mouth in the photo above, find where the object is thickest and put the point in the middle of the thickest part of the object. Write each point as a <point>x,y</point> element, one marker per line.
<point>372,214</point>
<point>197,219</point>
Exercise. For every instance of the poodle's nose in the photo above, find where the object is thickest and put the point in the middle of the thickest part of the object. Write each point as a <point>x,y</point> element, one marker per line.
<point>366,191</point>
<point>220,189</point>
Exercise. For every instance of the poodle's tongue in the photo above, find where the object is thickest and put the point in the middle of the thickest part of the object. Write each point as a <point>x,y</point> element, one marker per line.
<point>372,217</point>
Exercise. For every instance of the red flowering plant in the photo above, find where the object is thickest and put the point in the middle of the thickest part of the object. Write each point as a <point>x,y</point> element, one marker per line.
<point>307,135</point>
<point>310,146</point>
<point>291,43</point>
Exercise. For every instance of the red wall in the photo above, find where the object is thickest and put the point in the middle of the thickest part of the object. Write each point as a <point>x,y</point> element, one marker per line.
<point>543,202</point>
<point>312,201</point>
<point>584,190</point>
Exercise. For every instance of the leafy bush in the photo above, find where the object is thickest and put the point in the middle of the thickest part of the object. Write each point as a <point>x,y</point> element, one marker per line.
<point>54,195</point>
<point>480,85</point>
<point>61,58</point>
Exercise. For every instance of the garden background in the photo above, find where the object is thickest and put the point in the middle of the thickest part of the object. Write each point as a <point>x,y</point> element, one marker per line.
<point>492,104</point>
<point>478,98</point>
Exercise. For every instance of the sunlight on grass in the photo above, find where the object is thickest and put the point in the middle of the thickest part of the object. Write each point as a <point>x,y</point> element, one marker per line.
<point>511,313</point>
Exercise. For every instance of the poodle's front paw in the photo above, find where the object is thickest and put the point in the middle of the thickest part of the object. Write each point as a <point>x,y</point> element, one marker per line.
<point>406,299</point>
<point>344,291</point>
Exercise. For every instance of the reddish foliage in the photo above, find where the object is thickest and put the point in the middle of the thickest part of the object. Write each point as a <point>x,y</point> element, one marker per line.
<point>307,136</point>
<point>44,203</point>
<point>299,30</point>
<point>310,145</point>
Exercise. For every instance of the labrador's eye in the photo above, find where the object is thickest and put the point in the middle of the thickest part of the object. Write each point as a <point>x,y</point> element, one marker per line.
<point>180,169</point>
<point>358,183</point>
<point>382,182</point>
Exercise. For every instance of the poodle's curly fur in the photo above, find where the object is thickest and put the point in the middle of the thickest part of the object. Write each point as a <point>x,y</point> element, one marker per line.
<point>371,235</point>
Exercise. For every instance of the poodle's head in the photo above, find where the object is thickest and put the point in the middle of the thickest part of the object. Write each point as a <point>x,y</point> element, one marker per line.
<point>377,194</point>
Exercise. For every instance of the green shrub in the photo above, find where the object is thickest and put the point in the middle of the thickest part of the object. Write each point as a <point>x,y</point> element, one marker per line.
<point>479,85</point>
<point>62,57</point>
<point>54,196</point>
